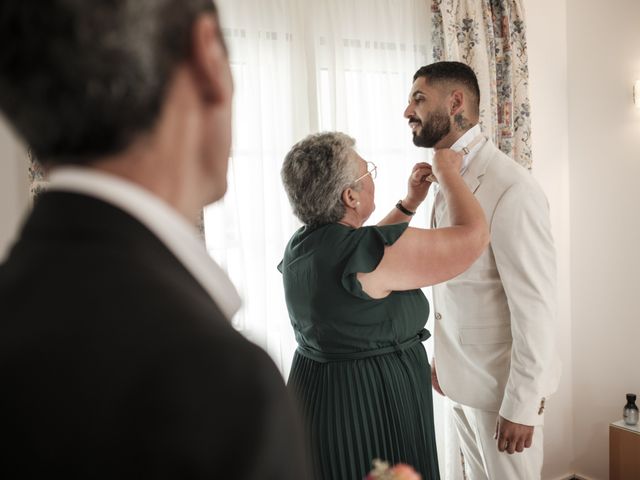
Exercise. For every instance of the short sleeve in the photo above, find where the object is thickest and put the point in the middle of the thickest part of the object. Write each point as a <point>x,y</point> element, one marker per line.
<point>367,253</point>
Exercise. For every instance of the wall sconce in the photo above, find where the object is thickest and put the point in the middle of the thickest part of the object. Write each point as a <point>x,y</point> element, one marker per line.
<point>636,93</point>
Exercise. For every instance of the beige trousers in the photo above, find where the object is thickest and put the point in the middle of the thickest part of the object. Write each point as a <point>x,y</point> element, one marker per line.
<point>482,460</point>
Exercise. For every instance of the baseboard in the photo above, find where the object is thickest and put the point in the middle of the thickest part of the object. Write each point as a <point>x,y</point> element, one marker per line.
<point>574,476</point>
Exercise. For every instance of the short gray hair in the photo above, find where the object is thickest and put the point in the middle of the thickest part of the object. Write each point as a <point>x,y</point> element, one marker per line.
<point>315,172</point>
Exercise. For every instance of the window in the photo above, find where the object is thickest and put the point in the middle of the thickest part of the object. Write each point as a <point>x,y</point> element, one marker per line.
<point>301,67</point>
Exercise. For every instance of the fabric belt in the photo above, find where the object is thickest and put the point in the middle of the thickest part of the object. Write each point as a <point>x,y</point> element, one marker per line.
<point>326,357</point>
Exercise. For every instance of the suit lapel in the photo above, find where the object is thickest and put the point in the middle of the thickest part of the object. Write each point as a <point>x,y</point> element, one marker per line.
<point>472,177</point>
<point>478,166</point>
<point>439,210</point>
<point>434,218</point>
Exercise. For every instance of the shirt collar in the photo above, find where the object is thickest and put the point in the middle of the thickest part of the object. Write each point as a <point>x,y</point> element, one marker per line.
<point>467,140</point>
<point>171,228</point>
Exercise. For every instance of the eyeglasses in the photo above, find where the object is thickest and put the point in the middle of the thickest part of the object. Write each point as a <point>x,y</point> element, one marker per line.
<point>371,170</point>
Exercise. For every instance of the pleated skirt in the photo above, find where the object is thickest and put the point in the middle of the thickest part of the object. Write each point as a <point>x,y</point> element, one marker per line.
<point>358,410</point>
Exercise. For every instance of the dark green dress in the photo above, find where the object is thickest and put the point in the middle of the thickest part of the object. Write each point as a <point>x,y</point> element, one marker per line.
<point>360,374</point>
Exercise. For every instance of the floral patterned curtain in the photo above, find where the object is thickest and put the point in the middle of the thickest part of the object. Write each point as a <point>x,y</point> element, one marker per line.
<point>489,36</point>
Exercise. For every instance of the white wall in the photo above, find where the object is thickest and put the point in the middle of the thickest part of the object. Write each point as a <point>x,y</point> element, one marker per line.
<point>604,131</point>
<point>546,38</point>
<point>13,186</point>
<point>584,56</point>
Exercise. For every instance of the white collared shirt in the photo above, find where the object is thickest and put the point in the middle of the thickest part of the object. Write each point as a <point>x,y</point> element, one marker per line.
<point>467,139</point>
<point>171,228</point>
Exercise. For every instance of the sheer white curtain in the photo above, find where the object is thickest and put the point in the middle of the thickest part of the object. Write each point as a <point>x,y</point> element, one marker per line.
<point>302,66</point>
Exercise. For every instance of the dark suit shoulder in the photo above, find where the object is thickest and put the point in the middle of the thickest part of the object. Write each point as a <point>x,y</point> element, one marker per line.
<point>116,363</point>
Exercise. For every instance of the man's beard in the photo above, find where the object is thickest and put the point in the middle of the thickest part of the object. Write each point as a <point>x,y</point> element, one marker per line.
<point>437,126</point>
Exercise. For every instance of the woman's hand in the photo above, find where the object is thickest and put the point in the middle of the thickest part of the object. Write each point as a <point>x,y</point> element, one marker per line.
<point>450,250</point>
<point>418,186</point>
<point>446,162</point>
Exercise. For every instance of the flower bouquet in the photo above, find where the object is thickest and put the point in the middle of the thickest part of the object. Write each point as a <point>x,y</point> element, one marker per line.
<point>401,471</point>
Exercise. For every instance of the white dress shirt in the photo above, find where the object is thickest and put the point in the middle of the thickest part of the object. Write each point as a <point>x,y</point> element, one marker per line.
<point>171,228</point>
<point>473,139</point>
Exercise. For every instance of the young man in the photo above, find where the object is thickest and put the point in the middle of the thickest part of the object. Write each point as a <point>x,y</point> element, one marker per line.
<point>117,358</point>
<point>495,354</point>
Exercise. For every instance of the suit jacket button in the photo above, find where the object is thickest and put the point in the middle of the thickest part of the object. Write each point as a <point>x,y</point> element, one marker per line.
<point>438,316</point>
<point>541,409</point>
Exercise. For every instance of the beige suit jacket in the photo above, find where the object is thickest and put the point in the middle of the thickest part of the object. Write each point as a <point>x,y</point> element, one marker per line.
<point>495,327</point>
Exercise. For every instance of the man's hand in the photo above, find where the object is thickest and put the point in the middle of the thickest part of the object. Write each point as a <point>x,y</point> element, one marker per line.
<point>434,378</point>
<point>513,437</point>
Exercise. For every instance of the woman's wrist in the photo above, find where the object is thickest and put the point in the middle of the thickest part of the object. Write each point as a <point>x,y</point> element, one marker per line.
<point>448,176</point>
<point>410,204</point>
<point>404,210</point>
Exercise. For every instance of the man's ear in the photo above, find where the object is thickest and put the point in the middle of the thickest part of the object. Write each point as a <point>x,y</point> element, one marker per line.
<point>210,61</point>
<point>350,197</point>
<point>456,102</point>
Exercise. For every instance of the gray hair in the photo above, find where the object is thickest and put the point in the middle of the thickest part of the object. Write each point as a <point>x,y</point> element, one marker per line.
<point>83,79</point>
<point>315,172</point>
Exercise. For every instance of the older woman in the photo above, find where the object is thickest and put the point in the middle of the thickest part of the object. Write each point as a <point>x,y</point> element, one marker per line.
<point>360,373</point>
